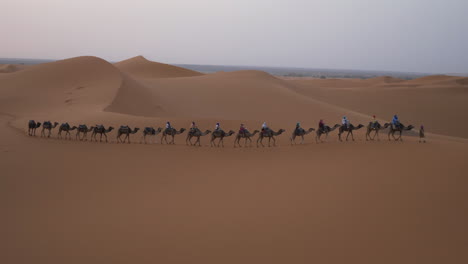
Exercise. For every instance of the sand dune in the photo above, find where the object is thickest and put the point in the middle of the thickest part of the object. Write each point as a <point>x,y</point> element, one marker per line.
<point>77,83</point>
<point>335,202</point>
<point>134,99</point>
<point>142,68</point>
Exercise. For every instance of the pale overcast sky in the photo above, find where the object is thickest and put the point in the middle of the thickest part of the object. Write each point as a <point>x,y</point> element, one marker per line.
<point>400,35</point>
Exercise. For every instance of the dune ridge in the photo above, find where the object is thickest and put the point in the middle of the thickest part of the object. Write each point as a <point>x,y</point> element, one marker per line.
<point>140,67</point>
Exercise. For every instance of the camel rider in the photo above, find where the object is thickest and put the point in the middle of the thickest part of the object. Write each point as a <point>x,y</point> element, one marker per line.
<point>395,122</point>
<point>373,122</point>
<point>264,126</point>
<point>168,125</point>
<point>322,126</point>
<point>345,122</point>
<point>242,129</point>
<point>298,128</point>
<point>193,126</point>
<point>217,127</point>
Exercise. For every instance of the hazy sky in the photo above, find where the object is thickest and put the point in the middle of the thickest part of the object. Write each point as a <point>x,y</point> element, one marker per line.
<point>400,35</point>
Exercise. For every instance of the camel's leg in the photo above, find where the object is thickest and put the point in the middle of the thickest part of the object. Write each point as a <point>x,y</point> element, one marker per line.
<point>274,141</point>
<point>105,135</point>
<point>352,135</point>
<point>187,140</point>
<point>302,141</point>
<point>389,132</point>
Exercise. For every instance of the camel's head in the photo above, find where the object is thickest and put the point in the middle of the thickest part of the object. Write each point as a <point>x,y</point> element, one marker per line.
<point>111,128</point>
<point>281,131</point>
<point>410,127</point>
<point>359,126</point>
<point>38,124</point>
<point>56,123</point>
<point>159,129</point>
<point>207,131</point>
<point>256,131</point>
<point>336,125</point>
<point>231,132</point>
<point>136,129</point>
<point>311,129</point>
<point>182,130</point>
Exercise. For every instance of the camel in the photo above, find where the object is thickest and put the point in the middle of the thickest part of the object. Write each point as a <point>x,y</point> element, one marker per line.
<point>48,125</point>
<point>32,126</point>
<point>399,128</point>
<point>325,131</point>
<point>348,129</point>
<point>149,131</point>
<point>83,129</point>
<point>373,127</point>
<point>195,132</point>
<point>171,132</point>
<point>270,134</point>
<point>67,128</point>
<point>100,129</point>
<point>221,135</point>
<point>300,132</point>
<point>125,130</point>
<point>245,135</point>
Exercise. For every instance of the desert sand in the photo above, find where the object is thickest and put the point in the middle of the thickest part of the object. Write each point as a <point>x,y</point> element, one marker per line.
<point>69,201</point>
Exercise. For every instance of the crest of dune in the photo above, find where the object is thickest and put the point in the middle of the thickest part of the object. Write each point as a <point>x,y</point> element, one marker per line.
<point>140,67</point>
<point>76,84</point>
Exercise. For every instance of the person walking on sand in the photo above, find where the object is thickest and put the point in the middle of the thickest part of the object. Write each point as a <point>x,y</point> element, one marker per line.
<point>422,136</point>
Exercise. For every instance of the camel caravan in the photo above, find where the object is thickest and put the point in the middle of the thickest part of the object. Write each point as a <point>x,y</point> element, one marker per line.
<point>217,136</point>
